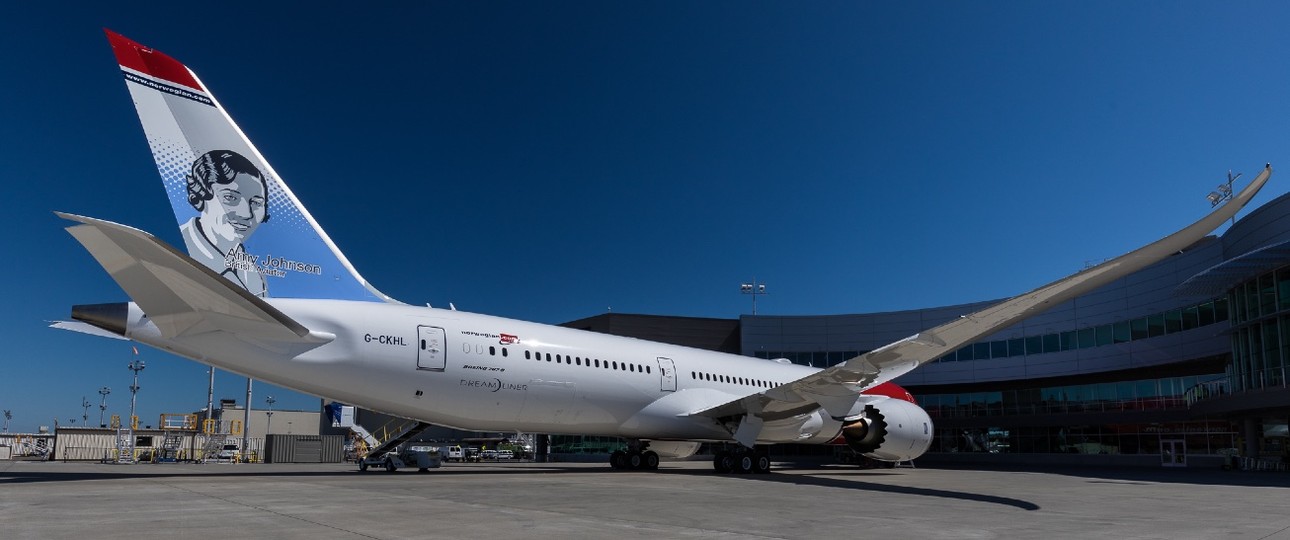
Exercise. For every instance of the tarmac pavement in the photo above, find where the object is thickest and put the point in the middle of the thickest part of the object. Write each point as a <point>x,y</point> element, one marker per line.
<point>681,500</point>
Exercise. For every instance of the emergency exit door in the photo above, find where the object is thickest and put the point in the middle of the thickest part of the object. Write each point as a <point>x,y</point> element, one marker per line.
<point>667,374</point>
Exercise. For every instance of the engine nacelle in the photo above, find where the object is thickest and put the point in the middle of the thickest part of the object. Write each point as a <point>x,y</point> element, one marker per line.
<point>891,430</point>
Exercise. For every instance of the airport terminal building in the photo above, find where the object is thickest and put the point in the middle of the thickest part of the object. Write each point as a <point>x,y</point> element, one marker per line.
<point>1186,357</point>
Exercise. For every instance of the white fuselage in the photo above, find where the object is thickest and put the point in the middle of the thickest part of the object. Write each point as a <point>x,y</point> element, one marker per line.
<point>493,374</point>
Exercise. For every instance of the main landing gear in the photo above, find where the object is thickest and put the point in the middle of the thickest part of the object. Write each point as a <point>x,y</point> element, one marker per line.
<point>741,460</point>
<point>635,458</point>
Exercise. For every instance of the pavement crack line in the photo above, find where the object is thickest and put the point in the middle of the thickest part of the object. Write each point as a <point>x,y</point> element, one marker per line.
<point>267,510</point>
<point>1283,529</point>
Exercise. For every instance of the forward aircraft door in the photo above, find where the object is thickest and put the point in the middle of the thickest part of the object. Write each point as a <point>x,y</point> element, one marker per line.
<point>431,348</point>
<point>667,374</point>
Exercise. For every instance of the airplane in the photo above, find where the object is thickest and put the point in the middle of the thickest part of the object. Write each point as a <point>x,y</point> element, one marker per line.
<point>262,291</point>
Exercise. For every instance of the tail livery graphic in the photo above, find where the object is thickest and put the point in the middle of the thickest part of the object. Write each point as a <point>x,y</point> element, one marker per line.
<point>224,193</point>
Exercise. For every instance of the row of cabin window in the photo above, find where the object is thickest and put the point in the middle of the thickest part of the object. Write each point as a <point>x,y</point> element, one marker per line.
<point>579,361</point>
<point>700,376</point>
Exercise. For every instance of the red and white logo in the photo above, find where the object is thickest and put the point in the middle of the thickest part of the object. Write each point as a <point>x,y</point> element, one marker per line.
<point>508,339</point>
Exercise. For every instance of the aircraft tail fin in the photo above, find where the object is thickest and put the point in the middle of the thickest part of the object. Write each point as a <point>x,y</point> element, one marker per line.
<point>235,213</point>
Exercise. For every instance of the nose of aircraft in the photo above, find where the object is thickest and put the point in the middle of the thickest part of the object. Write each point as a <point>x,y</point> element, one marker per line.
<point>110,317</point>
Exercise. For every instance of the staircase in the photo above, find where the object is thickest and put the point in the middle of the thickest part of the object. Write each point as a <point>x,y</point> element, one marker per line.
<point>382,440</point>
<point>214,443</point>
<point>124,445</point>
<point>398,434</point>
<point>170,448</point>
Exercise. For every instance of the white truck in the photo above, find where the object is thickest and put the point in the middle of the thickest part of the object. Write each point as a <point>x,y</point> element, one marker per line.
<point>423,458</point>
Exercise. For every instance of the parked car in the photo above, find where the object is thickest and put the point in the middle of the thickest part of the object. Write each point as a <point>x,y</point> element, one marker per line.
<point>229,452</point>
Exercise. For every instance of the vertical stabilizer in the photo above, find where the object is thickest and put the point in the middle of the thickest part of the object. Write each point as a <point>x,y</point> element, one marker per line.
<point>236,214</point>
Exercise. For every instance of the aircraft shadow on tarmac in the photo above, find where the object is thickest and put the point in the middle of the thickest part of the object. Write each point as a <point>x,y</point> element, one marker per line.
<point>833,481</point>
<point>15,475</point>
<point>843,478</point>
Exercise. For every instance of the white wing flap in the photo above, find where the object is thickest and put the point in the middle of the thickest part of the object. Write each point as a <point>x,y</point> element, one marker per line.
<point>180,296</point>
<point>836,389</point>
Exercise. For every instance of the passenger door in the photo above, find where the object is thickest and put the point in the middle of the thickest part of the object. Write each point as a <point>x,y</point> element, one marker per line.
<point>431,348</point>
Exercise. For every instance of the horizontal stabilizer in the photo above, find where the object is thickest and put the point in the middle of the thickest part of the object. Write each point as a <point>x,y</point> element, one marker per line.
<point>85,328</point>
<point>179,295</point>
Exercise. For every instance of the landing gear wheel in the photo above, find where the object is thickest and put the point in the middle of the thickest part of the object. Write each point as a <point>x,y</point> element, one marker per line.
<point>650,460</point>
<point>617,459</point>
<point>722,462</point>
<point>761,463</point>
<point>635,461</point>
<point>745,464</point>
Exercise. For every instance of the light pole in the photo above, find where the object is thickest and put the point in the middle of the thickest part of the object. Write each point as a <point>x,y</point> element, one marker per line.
<point>8,415</point>
<point>1223,193</point>
<point>85,414</point>
<point>210,395</point>
<point>755,289</point>
<point>136,366</point>
<point>103,404</point>
<point>269,423</point>
<point>246,420</point>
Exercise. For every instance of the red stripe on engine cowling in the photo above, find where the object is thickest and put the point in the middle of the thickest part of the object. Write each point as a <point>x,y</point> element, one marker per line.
<point>891,390</point>
<point>131,54</point>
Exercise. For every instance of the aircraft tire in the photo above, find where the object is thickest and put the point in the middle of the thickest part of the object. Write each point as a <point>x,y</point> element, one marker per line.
<point>650,460</point>
<point>744,464</point>
<point>616,459</point>
<point>722,462</point>
<point>634,461</point>
<point>761,463</point>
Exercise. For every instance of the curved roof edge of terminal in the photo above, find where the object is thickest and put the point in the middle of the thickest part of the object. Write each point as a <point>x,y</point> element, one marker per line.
<point>1152,292</point>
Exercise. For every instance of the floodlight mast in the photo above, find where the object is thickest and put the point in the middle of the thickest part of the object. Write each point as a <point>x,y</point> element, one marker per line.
<point>103,404</point>
<point>755,289</point>
<point>269,413</point>
<point>1223,192</point>
<point>136,366</point>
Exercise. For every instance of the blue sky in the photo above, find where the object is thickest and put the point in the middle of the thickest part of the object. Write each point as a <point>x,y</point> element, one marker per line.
<point>552,160</point>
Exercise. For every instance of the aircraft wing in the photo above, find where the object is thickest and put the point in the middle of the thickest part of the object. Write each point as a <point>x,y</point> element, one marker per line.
<point>179,295</point>
<point>836,388</point>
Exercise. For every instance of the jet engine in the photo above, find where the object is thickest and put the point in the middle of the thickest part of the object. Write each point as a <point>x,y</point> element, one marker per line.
<point>891,430</point>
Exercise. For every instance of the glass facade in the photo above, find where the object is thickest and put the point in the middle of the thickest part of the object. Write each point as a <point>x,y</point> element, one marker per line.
<point>1140,395</point>
<point>1012,435</point>
<point>1155,325</point>
<point>1260,331</point>
<point>1200,437</point>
